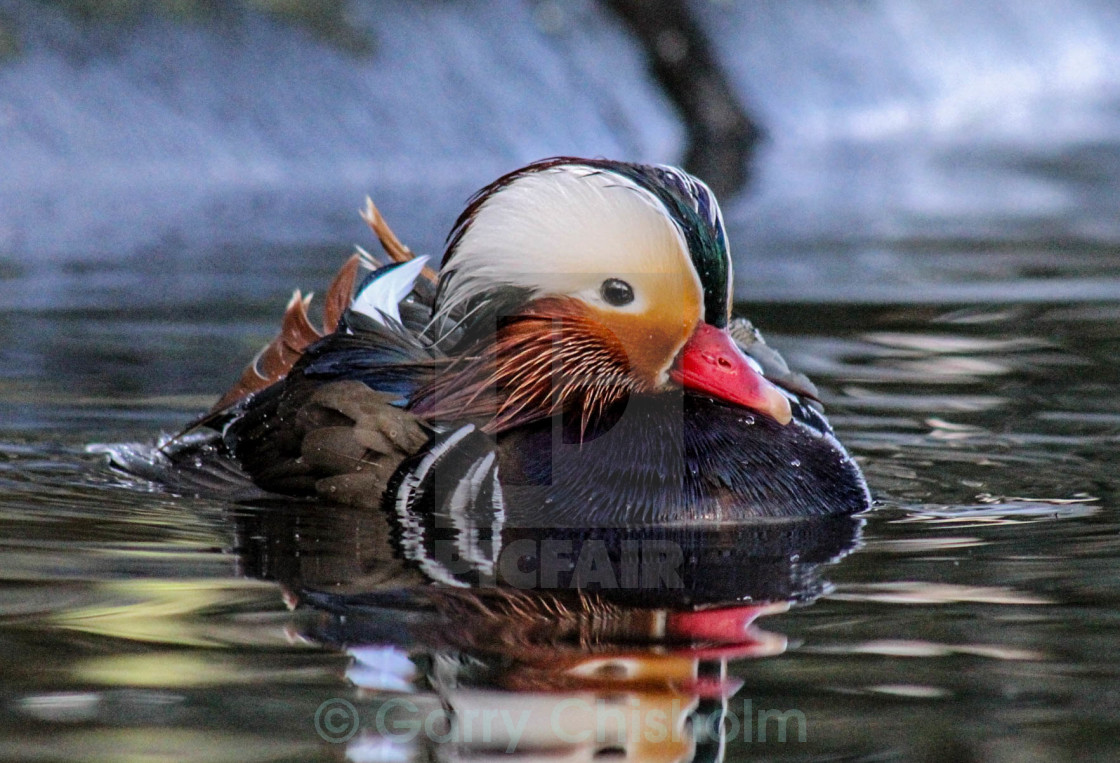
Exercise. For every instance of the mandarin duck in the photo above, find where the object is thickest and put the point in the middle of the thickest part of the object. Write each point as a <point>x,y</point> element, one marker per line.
<point>574,363</point>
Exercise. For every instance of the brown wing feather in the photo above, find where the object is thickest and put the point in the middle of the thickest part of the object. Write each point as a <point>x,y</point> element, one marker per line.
<point>279,356</point>
<point>392,245</point>
<point>340,293</point>
<point>341,441</point>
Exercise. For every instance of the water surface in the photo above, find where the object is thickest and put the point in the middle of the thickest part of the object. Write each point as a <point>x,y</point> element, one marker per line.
<point>971,615</point>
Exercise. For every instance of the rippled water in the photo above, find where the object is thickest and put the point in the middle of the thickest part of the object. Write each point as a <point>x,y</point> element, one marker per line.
<point>973,615</point>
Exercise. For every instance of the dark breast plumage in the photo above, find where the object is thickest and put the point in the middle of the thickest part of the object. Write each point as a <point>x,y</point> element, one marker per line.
<point>666,459</point>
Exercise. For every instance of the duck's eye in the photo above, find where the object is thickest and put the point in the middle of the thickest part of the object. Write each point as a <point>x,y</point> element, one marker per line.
<point>616,292</point>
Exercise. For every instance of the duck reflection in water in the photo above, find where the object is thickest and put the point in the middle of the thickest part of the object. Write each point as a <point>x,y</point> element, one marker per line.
<point>626,665</point>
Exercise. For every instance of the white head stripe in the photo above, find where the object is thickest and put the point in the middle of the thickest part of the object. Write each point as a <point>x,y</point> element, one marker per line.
<point>563,230</point>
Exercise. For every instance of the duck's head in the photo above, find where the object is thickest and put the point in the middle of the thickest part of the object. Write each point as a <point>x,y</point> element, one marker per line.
<point>611,278</point>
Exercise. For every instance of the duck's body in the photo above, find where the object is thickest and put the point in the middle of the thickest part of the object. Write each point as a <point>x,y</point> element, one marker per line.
<point>575,363</point>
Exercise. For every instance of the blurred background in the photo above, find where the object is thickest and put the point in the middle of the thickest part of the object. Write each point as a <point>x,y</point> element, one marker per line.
<point>923,201</point>
<point>169,153</point>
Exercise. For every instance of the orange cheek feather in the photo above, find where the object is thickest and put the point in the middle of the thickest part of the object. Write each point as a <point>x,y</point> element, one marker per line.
<point>650,344</point>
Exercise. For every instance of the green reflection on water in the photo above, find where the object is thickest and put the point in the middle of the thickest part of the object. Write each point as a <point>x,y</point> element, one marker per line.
<point>166,611</point>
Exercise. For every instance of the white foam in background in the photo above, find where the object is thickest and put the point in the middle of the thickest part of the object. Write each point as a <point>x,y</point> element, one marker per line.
<point>151,149</point>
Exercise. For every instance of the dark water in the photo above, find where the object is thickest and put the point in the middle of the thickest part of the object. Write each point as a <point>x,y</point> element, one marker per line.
<point>972,615</point>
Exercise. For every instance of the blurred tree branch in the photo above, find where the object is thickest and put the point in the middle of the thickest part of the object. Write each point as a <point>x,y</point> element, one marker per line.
<point>721,135</point>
